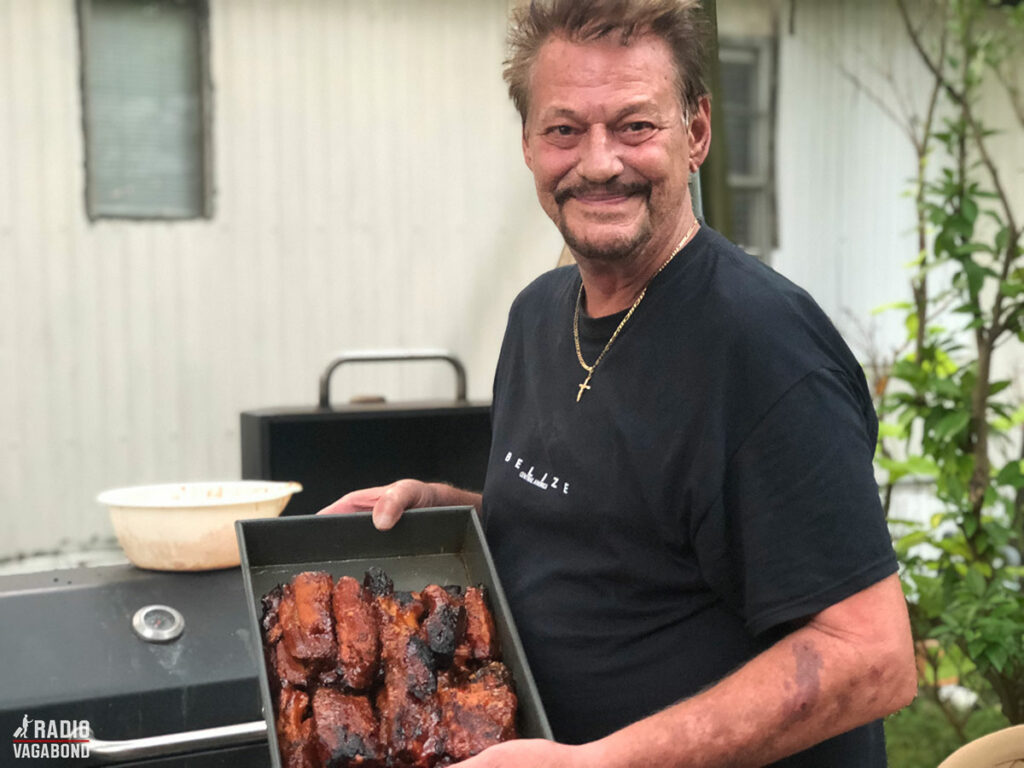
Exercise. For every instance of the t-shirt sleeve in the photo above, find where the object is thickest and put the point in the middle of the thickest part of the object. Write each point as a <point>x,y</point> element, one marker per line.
<point>799,525</point>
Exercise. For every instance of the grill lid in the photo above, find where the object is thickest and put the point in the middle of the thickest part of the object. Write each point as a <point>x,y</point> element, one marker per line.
<point>78,657</point>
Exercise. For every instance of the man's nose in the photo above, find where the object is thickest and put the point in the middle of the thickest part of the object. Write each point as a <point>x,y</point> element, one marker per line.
<point>599,158</point>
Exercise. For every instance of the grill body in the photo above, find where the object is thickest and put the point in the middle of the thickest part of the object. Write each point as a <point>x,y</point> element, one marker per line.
<point>70,653</point>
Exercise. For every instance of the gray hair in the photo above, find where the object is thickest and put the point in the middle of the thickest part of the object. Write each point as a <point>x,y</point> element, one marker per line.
<point>682,24</point>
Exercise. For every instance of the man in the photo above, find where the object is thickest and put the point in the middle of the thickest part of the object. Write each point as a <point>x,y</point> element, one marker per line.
<point>680,498</point>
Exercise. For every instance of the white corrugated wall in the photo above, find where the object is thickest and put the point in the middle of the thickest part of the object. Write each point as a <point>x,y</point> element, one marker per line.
<point>370,192</point>
<point>842,163</point>
<point>847,78</point>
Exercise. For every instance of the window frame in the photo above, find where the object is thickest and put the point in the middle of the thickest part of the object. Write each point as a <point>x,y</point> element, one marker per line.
<point>763,50</point>
<point>84,9</point>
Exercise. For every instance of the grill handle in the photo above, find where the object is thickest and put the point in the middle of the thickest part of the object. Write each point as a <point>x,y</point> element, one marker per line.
<point>177,743</point>
<point>392,355</point>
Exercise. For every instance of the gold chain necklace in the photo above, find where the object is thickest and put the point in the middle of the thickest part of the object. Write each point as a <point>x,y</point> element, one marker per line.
<point>576,316</point>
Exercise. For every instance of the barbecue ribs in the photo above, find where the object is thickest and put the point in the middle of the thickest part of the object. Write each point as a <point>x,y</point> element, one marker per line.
<point>409,711</point>
<point>370,677</point>
<point>346,729</point>
<point>358,635</point>
<point>479,711</point>
<point>295,729</point>
<point>309,630</point>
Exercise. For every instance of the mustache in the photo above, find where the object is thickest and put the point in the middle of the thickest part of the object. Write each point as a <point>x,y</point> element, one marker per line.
<point>612,188</point>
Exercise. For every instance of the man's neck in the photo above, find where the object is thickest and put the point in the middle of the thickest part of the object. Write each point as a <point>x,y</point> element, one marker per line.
<point>613,287</point>
<point>607,290</point>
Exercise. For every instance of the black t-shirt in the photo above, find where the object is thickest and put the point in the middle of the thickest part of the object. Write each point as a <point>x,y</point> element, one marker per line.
<point>713,486</point>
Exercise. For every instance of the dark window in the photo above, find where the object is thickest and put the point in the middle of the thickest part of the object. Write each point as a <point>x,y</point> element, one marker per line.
<point>747,104</point>
<point>145,105</point>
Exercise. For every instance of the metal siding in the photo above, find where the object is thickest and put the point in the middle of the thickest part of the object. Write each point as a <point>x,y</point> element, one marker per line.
<point>844,172</point>
<point>842,163</point>
<point>368,192</point>
<point>845,167</point>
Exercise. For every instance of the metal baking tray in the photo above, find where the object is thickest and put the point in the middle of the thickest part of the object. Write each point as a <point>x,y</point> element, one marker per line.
<point>441,545</point>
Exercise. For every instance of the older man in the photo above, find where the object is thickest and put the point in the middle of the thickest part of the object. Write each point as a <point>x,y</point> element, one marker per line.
<point>680,498</point>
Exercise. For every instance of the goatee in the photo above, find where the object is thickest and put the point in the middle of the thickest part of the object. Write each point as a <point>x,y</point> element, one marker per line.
<point>610,252</point>
<point>617,250</point>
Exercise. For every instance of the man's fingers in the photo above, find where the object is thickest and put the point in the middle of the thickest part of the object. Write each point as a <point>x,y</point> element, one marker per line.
<point>357,501</point>
<point>386,513</point>
<point>388,502</point>
<point>397,497</point>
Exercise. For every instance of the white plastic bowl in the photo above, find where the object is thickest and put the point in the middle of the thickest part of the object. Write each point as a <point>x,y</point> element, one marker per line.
<point>190,526</point>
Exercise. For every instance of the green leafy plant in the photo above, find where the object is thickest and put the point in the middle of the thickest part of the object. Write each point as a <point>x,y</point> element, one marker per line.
<point>945,416</point>
<point>920,736</point>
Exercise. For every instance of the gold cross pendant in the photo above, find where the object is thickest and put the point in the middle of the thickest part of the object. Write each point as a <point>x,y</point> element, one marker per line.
<point>584,385</point>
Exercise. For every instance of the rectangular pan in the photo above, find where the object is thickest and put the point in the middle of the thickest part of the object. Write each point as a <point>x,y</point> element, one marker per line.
<point>442,545</point>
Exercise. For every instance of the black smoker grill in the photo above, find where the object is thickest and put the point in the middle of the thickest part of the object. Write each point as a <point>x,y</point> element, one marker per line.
<point>332,451</point>
<point>71,652</point>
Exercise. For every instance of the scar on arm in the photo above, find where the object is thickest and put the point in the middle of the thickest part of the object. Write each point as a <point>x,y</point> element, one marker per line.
<point>806,687</point>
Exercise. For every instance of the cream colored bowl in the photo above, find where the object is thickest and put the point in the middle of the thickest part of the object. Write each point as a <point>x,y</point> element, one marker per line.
<point>190,526</point>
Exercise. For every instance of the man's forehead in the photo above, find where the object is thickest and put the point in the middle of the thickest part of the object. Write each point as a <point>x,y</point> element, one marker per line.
<point>567,74</point>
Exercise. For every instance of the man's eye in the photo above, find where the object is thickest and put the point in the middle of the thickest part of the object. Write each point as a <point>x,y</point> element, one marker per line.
<point>636,131</point>
<point>564,136</point>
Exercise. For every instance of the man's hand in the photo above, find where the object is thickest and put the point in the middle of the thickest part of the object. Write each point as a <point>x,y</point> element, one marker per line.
<point>530,753</point>
<point>389,502</point>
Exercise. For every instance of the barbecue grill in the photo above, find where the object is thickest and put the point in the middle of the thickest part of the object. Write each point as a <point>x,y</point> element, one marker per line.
<point>77,645</point>
<point>162,665</point>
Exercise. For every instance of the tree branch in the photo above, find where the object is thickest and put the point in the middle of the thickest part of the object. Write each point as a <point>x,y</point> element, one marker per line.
<point>901,122</point>
<point>960,99</point>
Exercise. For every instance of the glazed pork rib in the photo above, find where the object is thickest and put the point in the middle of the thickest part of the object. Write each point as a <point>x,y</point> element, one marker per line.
<point>284,667</point>
<point>358,634</point>
<point>409,710</point>
<point>306,619</point>
<point>444,627</point>
<point>367,676</point>
<point>295,729</point>
<point>481,638</point>
<point>479,711</point>
<point>347,730</point>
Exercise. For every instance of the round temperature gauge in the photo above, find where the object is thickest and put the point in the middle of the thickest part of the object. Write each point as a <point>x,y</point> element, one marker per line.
<point>158,623</point>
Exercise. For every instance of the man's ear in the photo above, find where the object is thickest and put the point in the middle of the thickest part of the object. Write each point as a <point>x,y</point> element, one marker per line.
<point>700,133</point>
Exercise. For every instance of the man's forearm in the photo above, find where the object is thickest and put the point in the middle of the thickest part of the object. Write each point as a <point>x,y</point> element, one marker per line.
<point>777,704</point>
<point>810,686</point>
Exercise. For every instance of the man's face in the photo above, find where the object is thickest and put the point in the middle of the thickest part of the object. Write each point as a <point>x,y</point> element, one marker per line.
<point>609,147</point>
